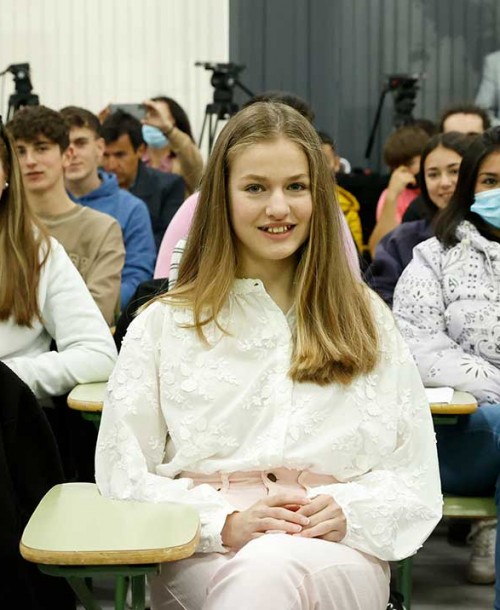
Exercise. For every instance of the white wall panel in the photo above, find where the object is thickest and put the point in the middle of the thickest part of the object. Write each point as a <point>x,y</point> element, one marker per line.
<point>91,52</point>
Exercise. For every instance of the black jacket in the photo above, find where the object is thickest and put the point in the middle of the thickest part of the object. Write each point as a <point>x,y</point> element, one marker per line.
<point>162,193</point>
<point>29,467</point>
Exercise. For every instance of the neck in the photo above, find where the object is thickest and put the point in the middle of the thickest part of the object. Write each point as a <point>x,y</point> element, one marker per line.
<point>156,155</point>
<point>51,203</point>
<point>80,188</point>
<point>278,279</point>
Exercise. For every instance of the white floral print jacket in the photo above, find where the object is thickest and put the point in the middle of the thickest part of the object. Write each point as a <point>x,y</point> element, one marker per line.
<point>230,405</point>
<point>447,305</point>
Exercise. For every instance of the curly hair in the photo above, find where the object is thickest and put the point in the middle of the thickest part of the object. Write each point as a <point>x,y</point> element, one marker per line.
<point>31,122</point>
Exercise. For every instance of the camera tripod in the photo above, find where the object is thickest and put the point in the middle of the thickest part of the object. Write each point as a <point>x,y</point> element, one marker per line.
<point>404,87</point>
<point>23,95</point>
<point>224,79</point>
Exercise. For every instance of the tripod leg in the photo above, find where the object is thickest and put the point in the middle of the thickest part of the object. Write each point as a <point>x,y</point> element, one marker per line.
<point>211,132</point>
<point>203,129</point>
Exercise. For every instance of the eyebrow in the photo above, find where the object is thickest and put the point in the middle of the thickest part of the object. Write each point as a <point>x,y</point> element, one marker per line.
<point>257,177</point>
<point>494,174</point>
<point>446,166</point>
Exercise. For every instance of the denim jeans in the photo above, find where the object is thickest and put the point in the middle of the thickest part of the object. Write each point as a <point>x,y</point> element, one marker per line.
<point>469,462</point>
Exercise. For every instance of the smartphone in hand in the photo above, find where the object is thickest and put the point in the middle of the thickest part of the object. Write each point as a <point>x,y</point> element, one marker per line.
<point>136,110</point>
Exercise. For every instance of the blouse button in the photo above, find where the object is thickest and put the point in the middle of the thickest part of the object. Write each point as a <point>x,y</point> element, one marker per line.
<point>272,477</point>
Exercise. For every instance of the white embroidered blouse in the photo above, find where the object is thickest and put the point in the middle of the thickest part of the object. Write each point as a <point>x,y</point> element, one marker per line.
<point>230,406</point>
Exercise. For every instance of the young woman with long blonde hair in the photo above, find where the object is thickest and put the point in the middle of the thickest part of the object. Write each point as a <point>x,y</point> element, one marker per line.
<point>271,390</point>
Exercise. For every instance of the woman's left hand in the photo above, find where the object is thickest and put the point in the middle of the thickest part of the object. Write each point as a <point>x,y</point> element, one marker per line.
<point>326,519</point>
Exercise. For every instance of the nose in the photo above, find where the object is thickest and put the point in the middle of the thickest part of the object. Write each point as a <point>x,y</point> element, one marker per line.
<point>278,206</point>
<point>109,163</point>
<point>446,180</point>
<point>29,158</point>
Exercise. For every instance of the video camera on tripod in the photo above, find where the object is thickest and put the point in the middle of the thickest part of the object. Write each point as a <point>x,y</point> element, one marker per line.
<point>224,79</point>
<point>404,88</point>
<point>23,95</point>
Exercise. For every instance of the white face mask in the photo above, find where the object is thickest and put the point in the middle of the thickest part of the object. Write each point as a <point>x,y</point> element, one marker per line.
<point>487,206</point>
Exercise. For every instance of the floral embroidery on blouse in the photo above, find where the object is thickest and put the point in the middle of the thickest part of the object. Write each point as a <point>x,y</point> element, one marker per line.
<point>230,405</point>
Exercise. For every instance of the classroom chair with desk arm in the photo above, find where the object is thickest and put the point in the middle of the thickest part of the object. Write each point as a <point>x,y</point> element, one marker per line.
<point>78,534</point>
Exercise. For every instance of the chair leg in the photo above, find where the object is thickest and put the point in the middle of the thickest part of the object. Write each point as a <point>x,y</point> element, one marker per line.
<point>121,587</point>
<point>404,576</point>
<point>83,593</point>
<point>138,592</point>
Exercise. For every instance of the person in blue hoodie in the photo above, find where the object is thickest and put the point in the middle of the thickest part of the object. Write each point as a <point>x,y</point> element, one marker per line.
<point>92,187</point>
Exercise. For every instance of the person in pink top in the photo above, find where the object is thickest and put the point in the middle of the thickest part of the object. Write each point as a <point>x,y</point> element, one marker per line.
<point>402,151</point>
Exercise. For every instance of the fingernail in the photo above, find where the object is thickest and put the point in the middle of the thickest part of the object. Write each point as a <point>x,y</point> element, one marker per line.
<point>298,528</point>
<point>304,521</point>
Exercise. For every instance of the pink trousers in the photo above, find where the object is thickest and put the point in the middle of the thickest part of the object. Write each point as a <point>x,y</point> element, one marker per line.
<point>275,571</point>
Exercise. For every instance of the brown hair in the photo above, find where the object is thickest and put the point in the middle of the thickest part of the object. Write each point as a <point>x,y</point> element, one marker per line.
<point>81,118</point>
<point>404,144</point>
<point>335,338</point>
<point>22,239</point>
<point>31,122</point>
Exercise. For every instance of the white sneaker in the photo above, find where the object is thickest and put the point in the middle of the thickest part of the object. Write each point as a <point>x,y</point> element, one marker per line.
<point>481,568</point>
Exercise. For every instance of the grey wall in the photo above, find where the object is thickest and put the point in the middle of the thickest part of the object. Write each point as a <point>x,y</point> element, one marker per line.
<point>337,53</point>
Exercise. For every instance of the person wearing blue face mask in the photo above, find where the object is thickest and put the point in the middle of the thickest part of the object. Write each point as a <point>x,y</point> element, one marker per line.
<point>171,147</point>
<point>447,305</point>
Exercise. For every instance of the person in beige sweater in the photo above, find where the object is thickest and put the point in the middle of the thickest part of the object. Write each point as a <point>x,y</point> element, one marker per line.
<point>93,240</point>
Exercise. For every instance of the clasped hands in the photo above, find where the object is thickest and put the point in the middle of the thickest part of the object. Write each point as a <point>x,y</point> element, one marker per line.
<point>291,513</point>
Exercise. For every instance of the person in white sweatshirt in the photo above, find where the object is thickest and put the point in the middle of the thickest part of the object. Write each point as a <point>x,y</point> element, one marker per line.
<point>43,299</point>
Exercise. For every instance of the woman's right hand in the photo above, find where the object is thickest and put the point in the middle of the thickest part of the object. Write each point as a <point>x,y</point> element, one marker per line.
<point>269,514</point>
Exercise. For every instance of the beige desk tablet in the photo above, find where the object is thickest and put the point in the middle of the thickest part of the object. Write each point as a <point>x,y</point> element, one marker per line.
<point>76,533</point>
<point>462,403</point>
<point>87,397</point>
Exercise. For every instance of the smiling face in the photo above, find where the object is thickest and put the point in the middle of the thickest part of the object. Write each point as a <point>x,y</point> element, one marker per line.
<point>270,204</point>
<point>441,174</point>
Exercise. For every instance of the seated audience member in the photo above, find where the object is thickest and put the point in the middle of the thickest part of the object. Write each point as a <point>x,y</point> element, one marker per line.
<point>294,436</point>
<point>461,118</point>
<point>438,176</point>
<point>43,297</point>
<point>488,94</point>
<point>29,466</point>
<point>92,187</point>
<point>464,118</point>
<point>178,229</point>
<point>402,151</point>
<point>171,146</point>
<point>92,240</point>
<point>348,203</point>
<point>162,193</point>
<point>447,305</point>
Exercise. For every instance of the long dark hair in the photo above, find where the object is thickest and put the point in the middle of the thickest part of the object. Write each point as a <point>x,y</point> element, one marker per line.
<point>178,113</point>
<point>459,207</point>
<point>458,142</point>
